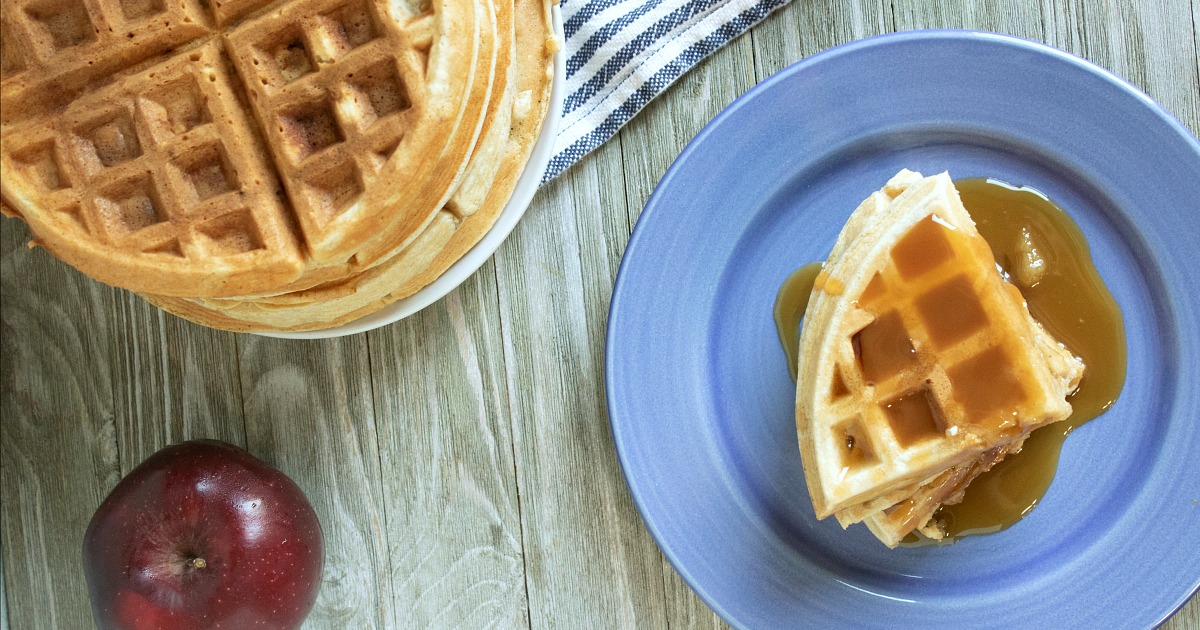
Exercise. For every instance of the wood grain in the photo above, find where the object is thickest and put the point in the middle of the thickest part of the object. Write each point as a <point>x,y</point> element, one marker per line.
<point>309,412</point>
<point>3,598</point>
<point>453,515</point>
<point>58,454</point>
<point>460,461</point>
<point>180,382</point>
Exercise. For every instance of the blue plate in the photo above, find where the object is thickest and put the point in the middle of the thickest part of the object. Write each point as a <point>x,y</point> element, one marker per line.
<point>699,396</point>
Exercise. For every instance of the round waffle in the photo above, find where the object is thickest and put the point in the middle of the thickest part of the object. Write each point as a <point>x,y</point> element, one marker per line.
<point>213,150</point>
<point>511,127</point>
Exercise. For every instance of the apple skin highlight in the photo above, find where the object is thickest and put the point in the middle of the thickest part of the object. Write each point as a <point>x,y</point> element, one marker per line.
<point>203,535</point>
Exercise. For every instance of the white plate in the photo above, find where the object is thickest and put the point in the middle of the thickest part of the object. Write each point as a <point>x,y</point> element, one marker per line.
<point>530,180</point>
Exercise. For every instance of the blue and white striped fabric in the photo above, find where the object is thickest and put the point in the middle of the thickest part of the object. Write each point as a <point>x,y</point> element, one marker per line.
<point>622,53</point>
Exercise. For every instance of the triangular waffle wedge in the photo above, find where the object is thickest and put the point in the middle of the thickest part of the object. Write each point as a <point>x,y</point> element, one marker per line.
<point>917,360</point>
<point>227,149</point>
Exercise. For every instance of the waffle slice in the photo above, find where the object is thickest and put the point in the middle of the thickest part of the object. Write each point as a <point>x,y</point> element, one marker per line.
<point>917,511</point>
<point>917,360</point>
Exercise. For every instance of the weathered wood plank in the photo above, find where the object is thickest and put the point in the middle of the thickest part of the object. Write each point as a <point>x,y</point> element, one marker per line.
<point>1153,45</point>
<point>805,28</point>
<point>1188,617</point>
<point>57,438</point>
<point>3,597</point>
<point>174,381</point>
<point>589,561</point>
<point>308,411</point>
<point>1023,19</point>
<point>203,382</point>
<point>453,520</point>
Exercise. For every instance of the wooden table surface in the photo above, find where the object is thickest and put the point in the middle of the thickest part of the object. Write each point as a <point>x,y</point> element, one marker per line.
<point>460,460</point>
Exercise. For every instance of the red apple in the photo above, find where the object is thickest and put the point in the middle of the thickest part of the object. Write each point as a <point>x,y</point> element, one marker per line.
<point>203,535</point>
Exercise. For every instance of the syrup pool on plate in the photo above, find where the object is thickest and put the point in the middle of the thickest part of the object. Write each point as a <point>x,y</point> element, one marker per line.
<point>1041,251</point>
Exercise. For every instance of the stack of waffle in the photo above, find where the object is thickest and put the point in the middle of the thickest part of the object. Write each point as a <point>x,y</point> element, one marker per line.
<point>920,366</point>
<point>268,165</point>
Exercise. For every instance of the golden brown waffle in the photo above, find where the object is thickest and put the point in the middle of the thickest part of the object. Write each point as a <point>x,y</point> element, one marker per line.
<point>437,179</point>
<point>916,358</point>
<point>916,511</point>
<point>224,149</point>
<point>510,130</point>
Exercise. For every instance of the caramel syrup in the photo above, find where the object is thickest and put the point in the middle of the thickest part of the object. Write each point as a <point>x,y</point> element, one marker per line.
<point>1041,251</point>
<point>790,304</point>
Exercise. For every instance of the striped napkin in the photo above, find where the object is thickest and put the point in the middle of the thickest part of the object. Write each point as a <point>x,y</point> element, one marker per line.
<point>622,53</point>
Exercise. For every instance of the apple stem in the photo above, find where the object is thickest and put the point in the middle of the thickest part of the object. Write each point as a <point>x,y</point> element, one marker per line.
<point>197,563</point>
